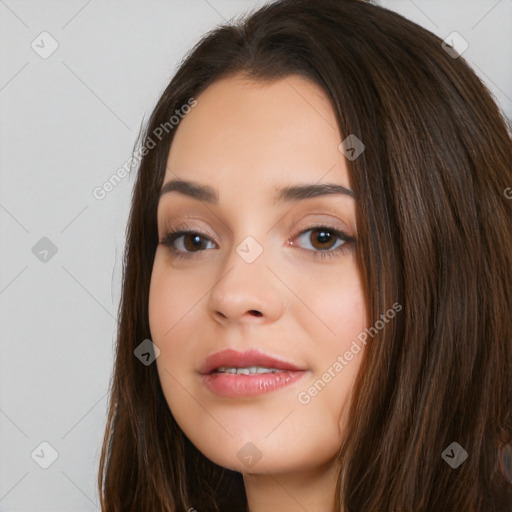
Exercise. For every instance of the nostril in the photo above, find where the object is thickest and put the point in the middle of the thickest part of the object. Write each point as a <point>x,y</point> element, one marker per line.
<point>255,312</point>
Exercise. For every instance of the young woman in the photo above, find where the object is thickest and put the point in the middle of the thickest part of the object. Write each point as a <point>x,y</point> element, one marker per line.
<point>317,300</point>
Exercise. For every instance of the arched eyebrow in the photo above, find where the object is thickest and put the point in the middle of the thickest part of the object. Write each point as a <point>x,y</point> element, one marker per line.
<point>208,194</point>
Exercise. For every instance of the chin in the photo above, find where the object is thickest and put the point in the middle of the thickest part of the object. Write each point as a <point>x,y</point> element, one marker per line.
<point>262,456</point>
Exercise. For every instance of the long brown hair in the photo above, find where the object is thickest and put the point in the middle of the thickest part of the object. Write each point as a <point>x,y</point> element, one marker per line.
<point>435,235</point>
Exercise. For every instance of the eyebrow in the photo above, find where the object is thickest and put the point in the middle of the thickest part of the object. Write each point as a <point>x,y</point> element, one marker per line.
<point>286,194</point>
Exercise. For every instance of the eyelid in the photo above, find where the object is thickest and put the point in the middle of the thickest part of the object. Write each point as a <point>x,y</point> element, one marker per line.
<point>313,224</point>
<point>180,230</point>
<point>322,224</point>
<point>182,226</point>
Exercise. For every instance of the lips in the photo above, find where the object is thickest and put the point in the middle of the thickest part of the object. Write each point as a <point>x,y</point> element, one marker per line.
<point>232,358</point>
<point>242,385</point>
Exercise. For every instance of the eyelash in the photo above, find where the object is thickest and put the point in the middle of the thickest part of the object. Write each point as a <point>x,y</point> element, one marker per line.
<point>173,235</point>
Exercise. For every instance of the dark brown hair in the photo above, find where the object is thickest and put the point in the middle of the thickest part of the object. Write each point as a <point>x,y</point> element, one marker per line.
<point>435,235</point>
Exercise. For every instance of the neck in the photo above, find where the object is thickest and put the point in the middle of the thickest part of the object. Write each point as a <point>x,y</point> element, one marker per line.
<point>312,489</point>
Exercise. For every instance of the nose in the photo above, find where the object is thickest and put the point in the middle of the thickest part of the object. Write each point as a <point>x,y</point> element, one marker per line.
<point>247,292</point>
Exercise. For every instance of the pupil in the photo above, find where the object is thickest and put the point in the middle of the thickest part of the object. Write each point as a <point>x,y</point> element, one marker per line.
<point>323,236</point>
<point>194,244</point>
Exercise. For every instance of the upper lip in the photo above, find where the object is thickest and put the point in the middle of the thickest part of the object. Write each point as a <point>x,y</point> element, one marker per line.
<point>233,358</point>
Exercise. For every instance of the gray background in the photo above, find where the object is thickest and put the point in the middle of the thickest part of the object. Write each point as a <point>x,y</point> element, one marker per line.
<point>68,122</point>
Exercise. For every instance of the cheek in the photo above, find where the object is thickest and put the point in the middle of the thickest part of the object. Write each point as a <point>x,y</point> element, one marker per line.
<point>337,306</point>
<point>173,302</point>
<point>340,308</point>
<point>343,311</point>
<point>172,297</point>
<point>171,320</point>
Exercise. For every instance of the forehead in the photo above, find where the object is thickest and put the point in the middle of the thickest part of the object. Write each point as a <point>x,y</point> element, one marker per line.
<point>247,132</point>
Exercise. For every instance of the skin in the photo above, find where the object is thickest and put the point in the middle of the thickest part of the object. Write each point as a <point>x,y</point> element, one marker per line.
<point>246,139</point>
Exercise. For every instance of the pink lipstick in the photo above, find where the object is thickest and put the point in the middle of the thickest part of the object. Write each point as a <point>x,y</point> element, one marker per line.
<point>237,374</point>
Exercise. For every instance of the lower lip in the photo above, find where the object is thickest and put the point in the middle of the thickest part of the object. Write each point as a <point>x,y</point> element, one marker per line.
<point>233,385</point>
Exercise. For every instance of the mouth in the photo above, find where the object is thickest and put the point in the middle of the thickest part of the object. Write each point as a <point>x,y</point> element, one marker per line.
<point>237,374</point>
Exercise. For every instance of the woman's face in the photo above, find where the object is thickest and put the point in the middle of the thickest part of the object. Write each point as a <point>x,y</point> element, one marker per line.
<point>263,271</point>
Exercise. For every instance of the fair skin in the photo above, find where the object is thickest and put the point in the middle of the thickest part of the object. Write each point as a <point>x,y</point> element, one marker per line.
<point>247,140</point>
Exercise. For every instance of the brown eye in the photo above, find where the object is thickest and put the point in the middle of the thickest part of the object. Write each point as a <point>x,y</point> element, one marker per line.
<point>322,239</point>
<point>193,242</point>
<point>184,241</point>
